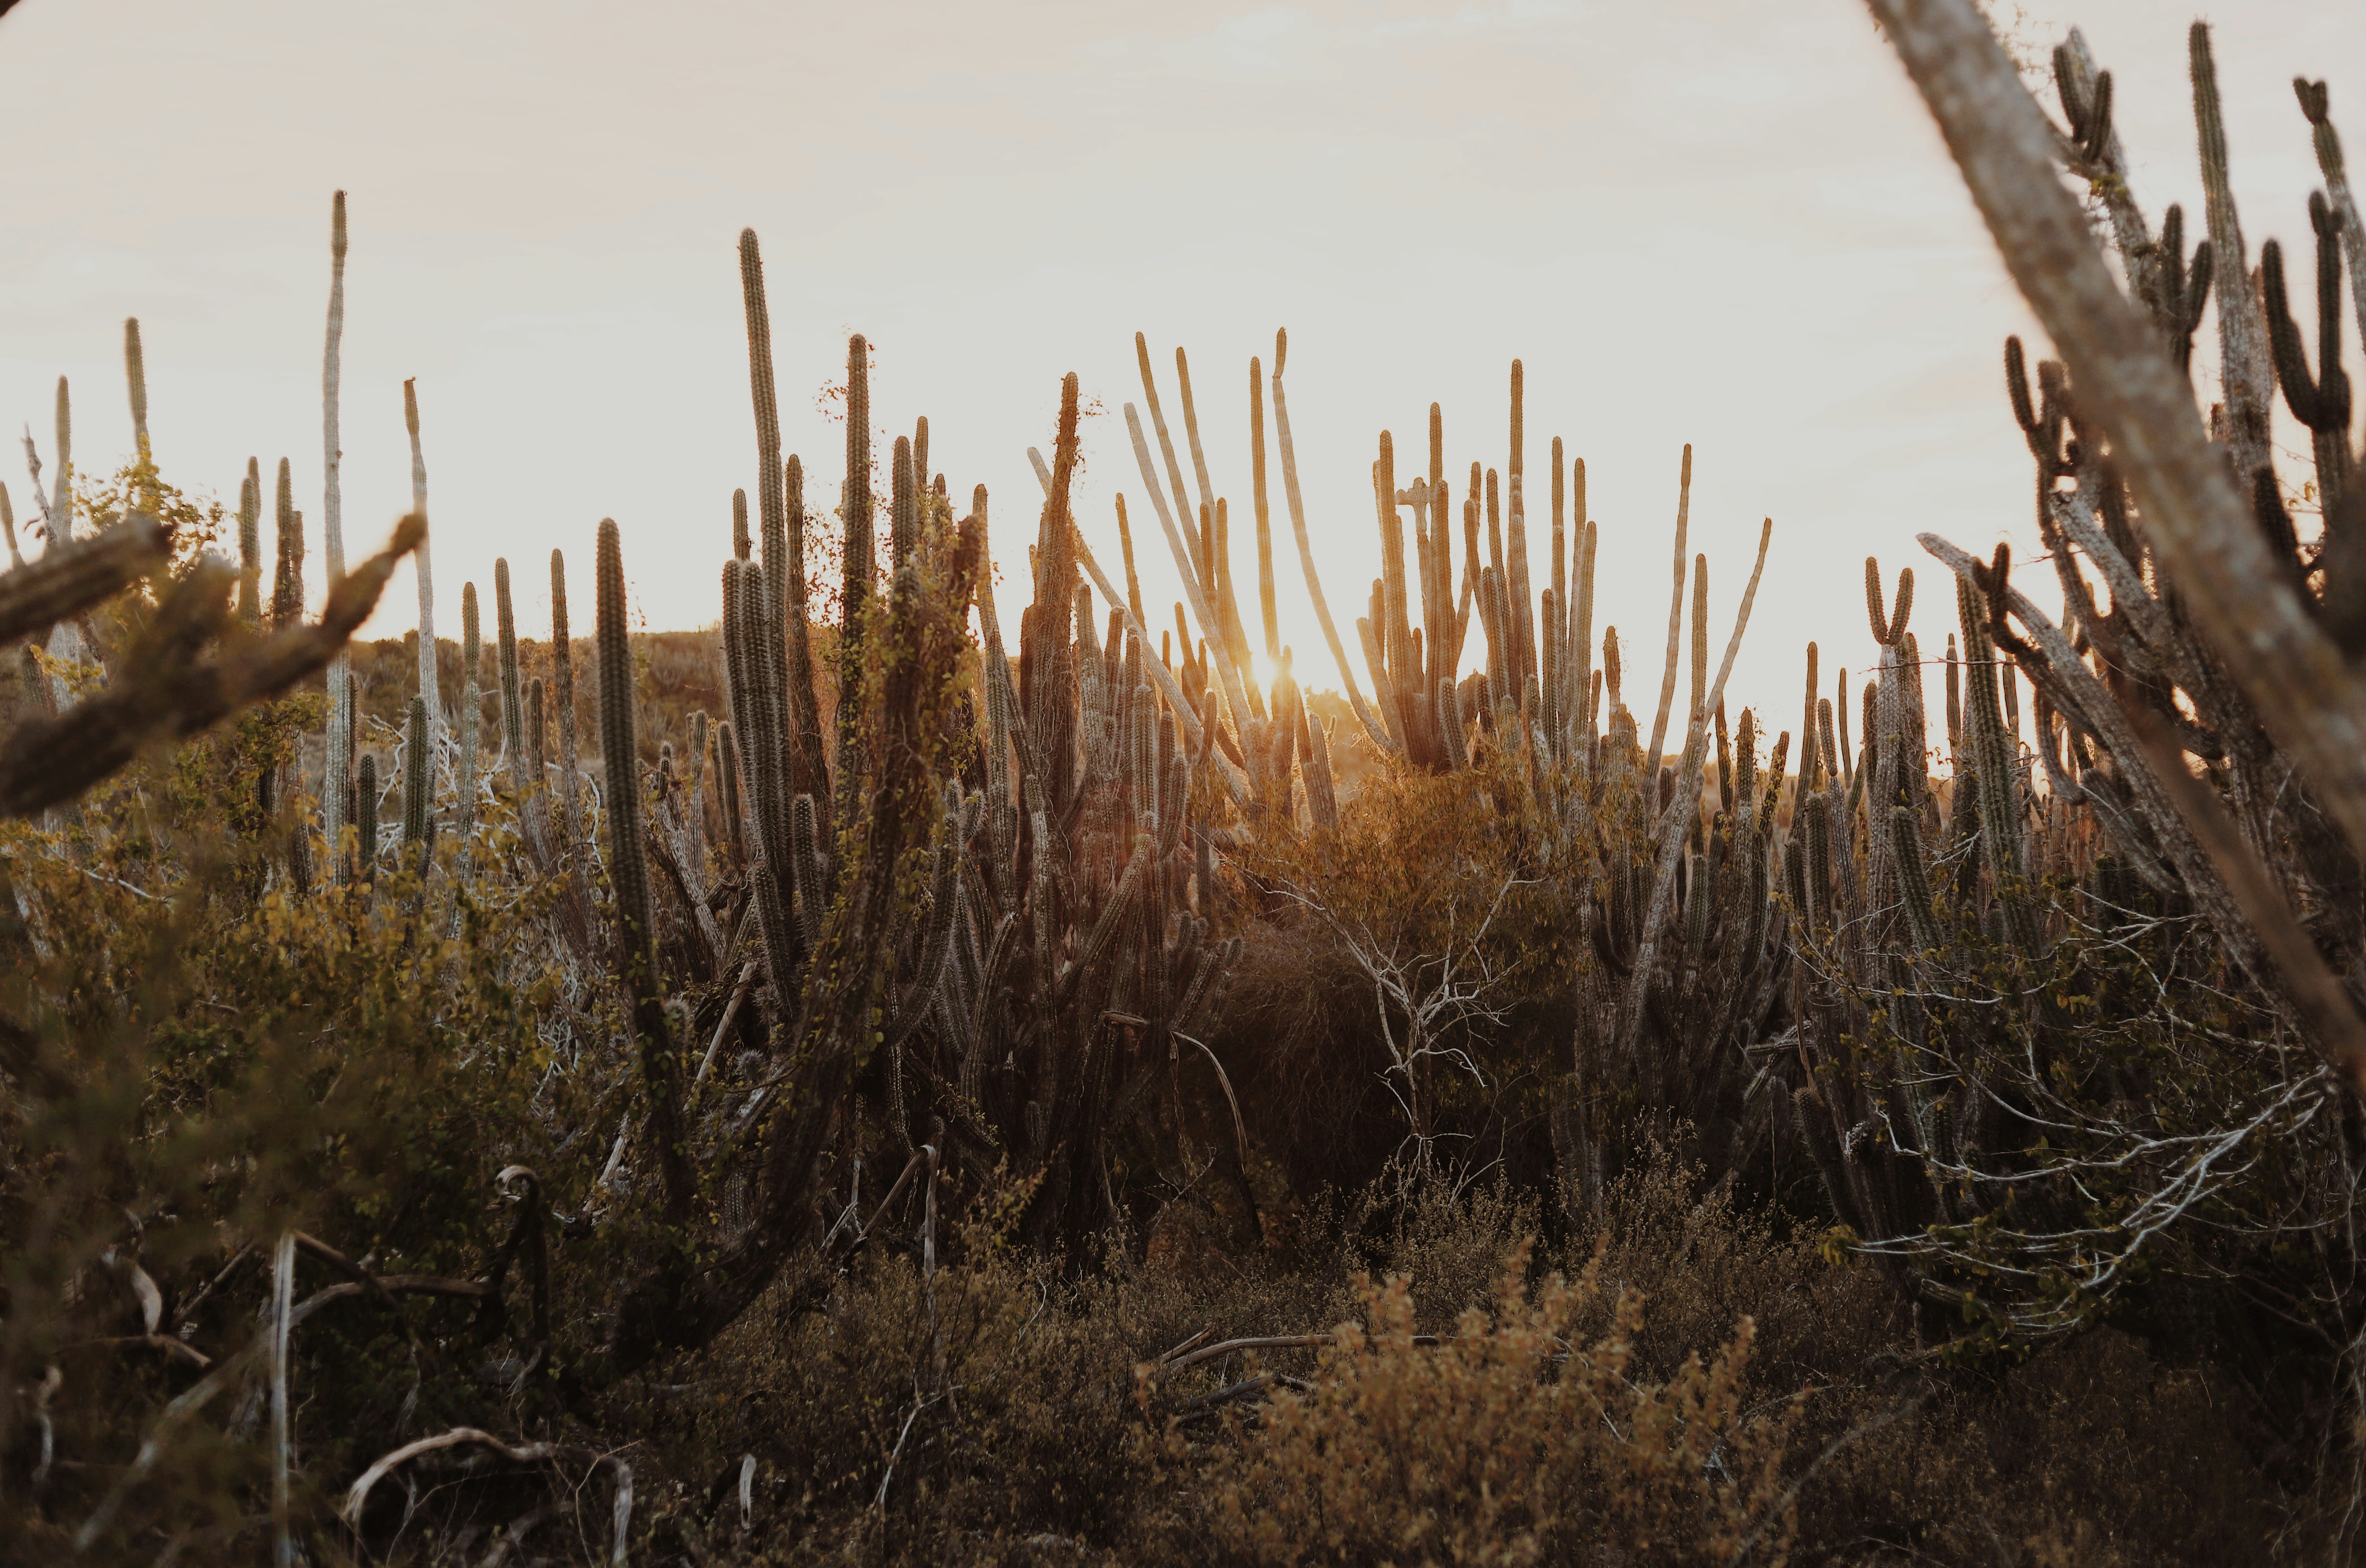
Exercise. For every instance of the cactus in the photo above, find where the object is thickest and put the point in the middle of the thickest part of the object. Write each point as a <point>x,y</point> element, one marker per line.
<point>1992,771</point>
<point>2315,106</point>
<point>2243,356</point>
<point>2179,290</point>
<point>249,547</point>
<point>726,754</point>
<point>429,681</point>
<point>2320,401</point>
<point>335,781</point>
<point>366,801</point>
<point>562,693</point>
<point>417,746</point>
<point>513,698</point>
<point>472,706</point>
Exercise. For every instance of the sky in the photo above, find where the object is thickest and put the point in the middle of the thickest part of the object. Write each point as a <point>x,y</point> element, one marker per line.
<point>1710,222</point>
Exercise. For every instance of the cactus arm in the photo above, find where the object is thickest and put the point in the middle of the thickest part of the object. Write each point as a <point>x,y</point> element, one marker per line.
<point>2317,108</point>
<point>1167,447</point>
<point>420,566</point>
<point>2105,166</point>
<point>1675,614</point>
<point>1374,730</point>
<point>69,578</point>
<point>1191,429</point>
<point>1125,547</point>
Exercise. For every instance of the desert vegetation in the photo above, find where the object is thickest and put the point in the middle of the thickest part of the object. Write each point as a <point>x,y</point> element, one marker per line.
<point>900,1076</point>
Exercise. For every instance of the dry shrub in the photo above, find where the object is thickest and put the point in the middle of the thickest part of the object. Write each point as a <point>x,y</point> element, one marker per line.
<point>1508,1441</point>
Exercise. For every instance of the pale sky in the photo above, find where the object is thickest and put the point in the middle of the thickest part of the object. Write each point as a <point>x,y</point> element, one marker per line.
<point>1716,221</point>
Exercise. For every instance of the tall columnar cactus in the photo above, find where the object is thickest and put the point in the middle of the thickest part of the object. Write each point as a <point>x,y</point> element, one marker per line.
<point>780,490</point>
<point>472,709</point>
<point>135,377</point>
<point>513,696</point>
<point>1652,752</point>
<point>1523,625</point>
<point>8,527</point>
<point>428,679</point>
<point>854,595</point>
<point>417,776</point>
<point>2245,369</point>
<point>1267,611</point>
<point>335,779</point>
<point>62,502</point>
<point>366,817</point>
<point>626,865</point>
<point>250,546</point>
<point>562,694</point>
<point>65,641</point>
<point>1993,771</point>
<point>287,580</point>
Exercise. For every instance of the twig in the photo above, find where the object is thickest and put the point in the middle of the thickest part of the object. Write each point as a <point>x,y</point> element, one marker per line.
<point>358,1495</point>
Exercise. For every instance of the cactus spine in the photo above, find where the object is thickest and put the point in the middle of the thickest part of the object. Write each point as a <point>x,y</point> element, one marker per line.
<point>429,682</point>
